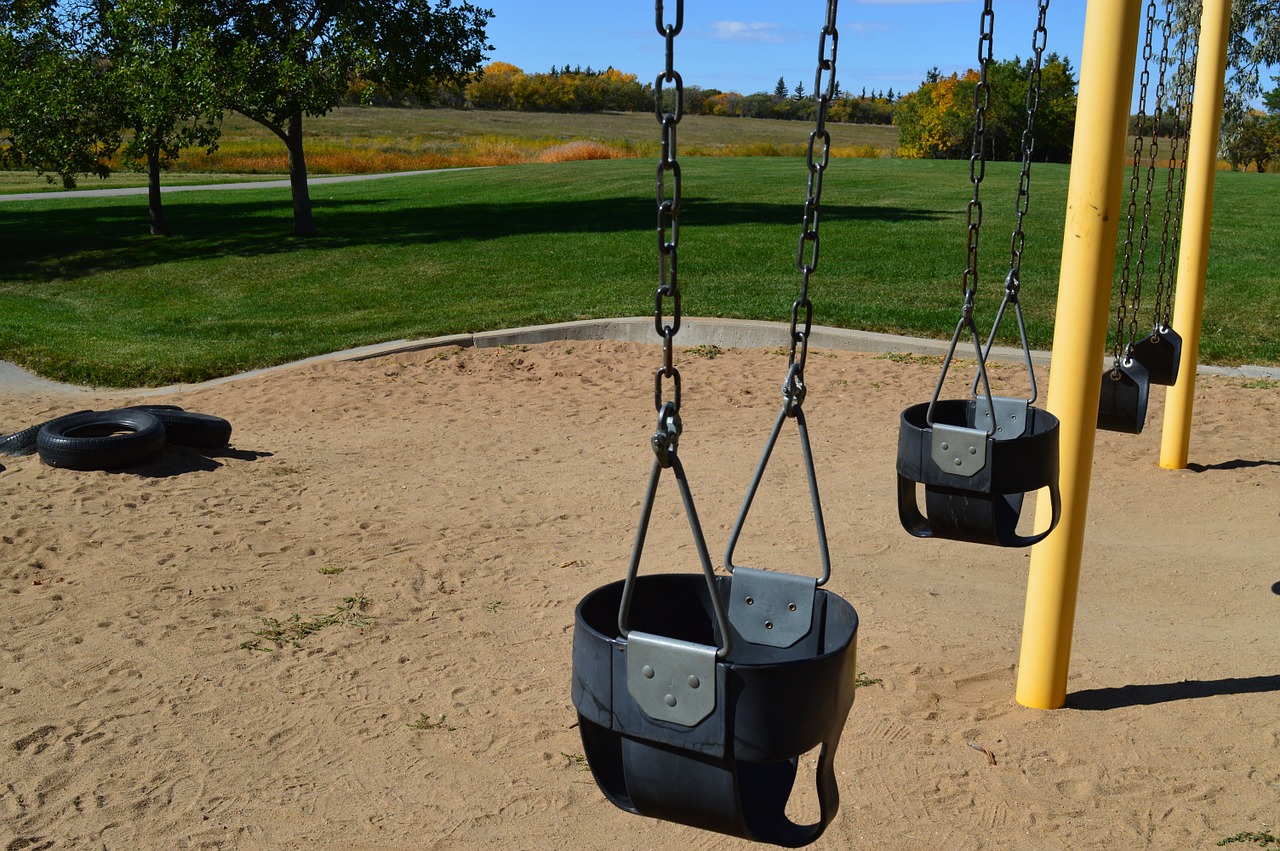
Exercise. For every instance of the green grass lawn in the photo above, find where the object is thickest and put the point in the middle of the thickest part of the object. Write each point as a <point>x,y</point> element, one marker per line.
<point>87,296</point>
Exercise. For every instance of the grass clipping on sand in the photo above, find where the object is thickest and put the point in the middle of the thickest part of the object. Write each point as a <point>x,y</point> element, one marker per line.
<point>294,629</point>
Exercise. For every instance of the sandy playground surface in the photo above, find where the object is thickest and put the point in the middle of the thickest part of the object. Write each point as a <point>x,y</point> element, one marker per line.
<point>459,503</point>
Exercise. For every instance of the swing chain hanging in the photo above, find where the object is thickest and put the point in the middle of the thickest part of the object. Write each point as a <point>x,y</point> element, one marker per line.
<point>977,157</point>
<point>667,435</point>
<point>977,170</point>
<point>817,160</point>
<point>1167,263</point>
<point>1153,153</point>
<point>1039,40</point>
<point>1184,94</point>
<point>1013,280</point>
<point>1126,311</point>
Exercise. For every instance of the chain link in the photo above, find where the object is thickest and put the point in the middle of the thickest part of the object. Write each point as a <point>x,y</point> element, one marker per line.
<point>977,158</point>
<point>1124,320</point>
<point>1039,39</point>
<point>817,159</point>
<point>1164,266</point>
<point>668,231</point>
<point>1184,95</point>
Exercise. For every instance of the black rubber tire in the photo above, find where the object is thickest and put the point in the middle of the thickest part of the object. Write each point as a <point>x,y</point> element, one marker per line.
<point>187,428</point>
<point>24,442</point>
<point>101,440</point>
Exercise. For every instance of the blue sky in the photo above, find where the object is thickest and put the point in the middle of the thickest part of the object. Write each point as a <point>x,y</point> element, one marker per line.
<point>746,45</point>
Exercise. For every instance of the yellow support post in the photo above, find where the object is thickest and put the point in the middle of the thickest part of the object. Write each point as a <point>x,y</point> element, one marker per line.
<point>1079,339</point>
<point>1193,257</point>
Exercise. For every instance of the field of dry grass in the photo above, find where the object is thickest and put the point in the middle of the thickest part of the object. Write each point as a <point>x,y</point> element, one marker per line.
<point>355,140</point>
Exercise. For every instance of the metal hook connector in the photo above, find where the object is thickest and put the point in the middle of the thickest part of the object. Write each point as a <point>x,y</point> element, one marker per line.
<point>666,438</point>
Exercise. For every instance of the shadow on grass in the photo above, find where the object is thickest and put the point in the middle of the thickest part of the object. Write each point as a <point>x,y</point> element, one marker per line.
<point>1103,699</point>
<point>104,235</point>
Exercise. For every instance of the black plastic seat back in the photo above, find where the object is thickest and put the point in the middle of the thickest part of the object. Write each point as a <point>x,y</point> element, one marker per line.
<point>733,771</point>
<point>1122,400</point>
<point>984,506</point>
<point>1160,353</point>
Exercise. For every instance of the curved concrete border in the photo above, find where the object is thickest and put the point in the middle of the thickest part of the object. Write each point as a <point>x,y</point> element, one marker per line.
<point>725,333</point>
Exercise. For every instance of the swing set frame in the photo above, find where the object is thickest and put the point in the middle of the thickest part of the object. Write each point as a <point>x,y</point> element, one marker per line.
<point>1083,310</point>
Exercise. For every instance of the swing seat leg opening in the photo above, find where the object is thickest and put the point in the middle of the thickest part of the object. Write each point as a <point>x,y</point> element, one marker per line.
<point>734,770</point>
<point>982,503</point>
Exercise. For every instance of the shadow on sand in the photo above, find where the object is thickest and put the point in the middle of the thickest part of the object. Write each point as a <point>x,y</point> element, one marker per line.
<point>1102,699</point>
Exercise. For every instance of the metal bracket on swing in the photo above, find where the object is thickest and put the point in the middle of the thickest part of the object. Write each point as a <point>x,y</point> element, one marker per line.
<point>671,680</point>
<point>959,450</point>
<point>1011,417</point>
<point>771,608</point>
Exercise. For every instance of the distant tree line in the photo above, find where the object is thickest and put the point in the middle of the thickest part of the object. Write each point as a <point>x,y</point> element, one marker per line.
<point>502,85</point>
<point>935,121</point>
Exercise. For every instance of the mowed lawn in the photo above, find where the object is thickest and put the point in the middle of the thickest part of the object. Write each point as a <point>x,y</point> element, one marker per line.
<point>87,296</point>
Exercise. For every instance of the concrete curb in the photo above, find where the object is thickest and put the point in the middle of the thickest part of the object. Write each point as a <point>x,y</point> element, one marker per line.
<point>725,333</point>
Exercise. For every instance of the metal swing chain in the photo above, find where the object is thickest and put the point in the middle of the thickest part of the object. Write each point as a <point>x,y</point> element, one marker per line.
<point>1039,40</point>
<point>1185,89</point>
<point>977,156</point>
<point>977,170</point>
<point>1154,150</point>
<point>1126,312</point>
<point>667,435</point>
<point>1013,281</point>
<point>793,387</point>
<point>1165,268</point>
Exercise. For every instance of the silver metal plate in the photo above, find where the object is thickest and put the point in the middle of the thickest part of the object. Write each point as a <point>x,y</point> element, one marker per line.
<point>771,608</point>
<point>958,450</point>
<point>1011,417</point>
<point>671,680</point>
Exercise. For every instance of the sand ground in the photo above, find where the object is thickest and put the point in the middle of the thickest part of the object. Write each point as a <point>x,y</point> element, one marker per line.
<point>458,503</point>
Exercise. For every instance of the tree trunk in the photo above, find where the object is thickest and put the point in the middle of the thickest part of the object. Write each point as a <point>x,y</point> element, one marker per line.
<point>303,224</point>
<point>156,212</point>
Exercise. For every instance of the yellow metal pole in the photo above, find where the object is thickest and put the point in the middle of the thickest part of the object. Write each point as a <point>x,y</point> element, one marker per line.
<point>1193,257</point>
<point>1079,339</point>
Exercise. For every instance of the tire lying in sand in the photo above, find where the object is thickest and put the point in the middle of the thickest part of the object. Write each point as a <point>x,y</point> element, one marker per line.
<point>24,442</point>
<point>187,428</point>
<point>101,440</point>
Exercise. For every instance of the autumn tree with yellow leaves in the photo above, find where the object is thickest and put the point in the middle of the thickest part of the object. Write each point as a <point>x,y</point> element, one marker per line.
<point>937,120</point>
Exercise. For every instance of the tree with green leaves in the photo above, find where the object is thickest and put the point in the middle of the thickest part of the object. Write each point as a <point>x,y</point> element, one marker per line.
<point>57,112</point>
<point>280,61</point>
<point>162,73</point>
<point>1253,45</point>
<point>1256,139</point>
<point>89,80</point>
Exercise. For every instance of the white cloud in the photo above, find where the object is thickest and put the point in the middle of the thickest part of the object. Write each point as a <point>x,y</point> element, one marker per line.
<point>748,32</point>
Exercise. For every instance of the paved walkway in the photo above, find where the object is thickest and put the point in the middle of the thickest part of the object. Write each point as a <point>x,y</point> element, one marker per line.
<point>251,184</point>
<point>725,333</point>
